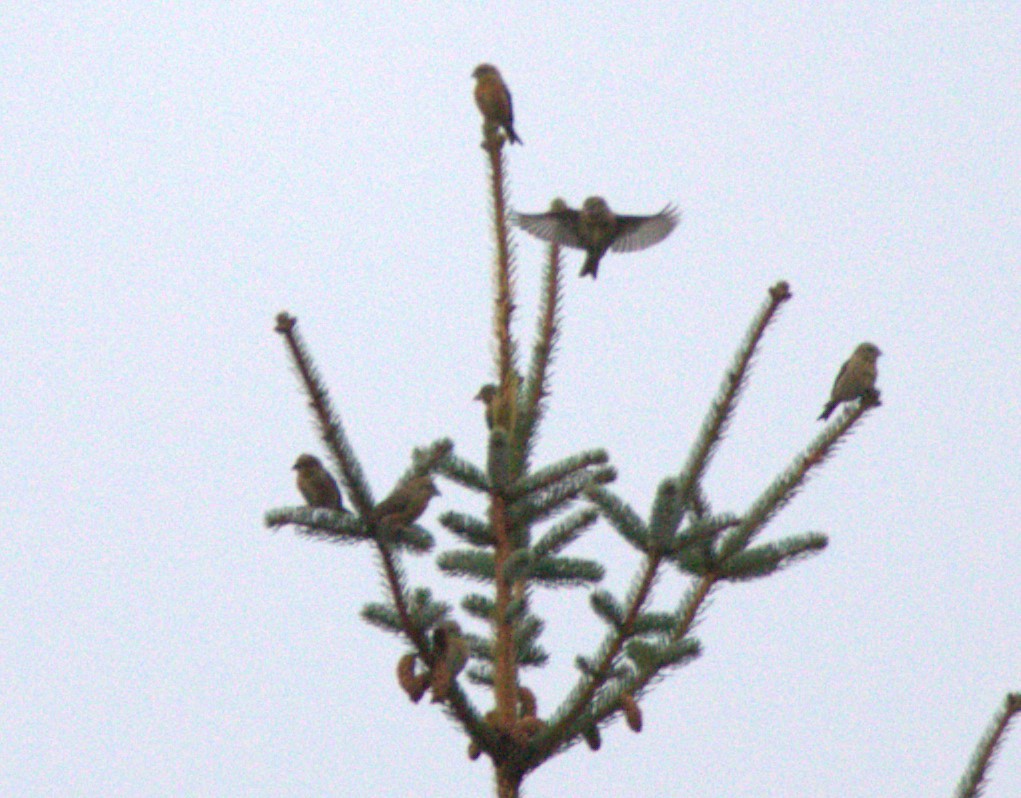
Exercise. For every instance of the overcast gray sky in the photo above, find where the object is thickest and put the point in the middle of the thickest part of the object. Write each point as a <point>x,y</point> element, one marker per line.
<point>173,175</point>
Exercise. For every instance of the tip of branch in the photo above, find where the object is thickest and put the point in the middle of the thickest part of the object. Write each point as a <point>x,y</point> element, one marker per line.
<point>871,399</point>
<point>781,292</point>
<point>285,322</point>
<point>492,139</point>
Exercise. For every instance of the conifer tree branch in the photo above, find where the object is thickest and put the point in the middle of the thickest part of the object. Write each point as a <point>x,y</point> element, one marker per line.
<point>715,425</point>
<point>424,460</point>
<point>331,429</point>
<point>754,562</point>
<point>549,501</point>
<point>469,528</point>
<point>794,477</point>
<point>692,605</point>
<point>464,473</point>
<point>320,524</point>
<point>508,780</point>
<point>549,476</point>
<point>555,736</point>
<point>505,667</point>
<point>607,704</point>
<point>469,563</point>
<point>621,517</point>
<point>394,578</point>
<point>505,664</point>
<point>974,778</point>
<point>564,532</point>
<point>460,707</point>
<point>333,435</point>
<point>548,334</point>
<point>504,308</point>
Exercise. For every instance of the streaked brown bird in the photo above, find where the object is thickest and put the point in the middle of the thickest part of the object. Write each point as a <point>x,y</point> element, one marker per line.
<point>405,504</point>
<point>855,379</point>
<point>451,650</point>
<point>494,100</point>
<point>316,485</point>
<point>487,395</point>
<point>596,229</point>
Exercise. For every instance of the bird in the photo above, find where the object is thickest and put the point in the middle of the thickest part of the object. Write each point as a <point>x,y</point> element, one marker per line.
<point>451,652</point>
<point>487,395</point>
<point>596,229</point>
<point>494,100</point>
<point>316,485</point>
<point>856,377</point>
<point>406,503</point>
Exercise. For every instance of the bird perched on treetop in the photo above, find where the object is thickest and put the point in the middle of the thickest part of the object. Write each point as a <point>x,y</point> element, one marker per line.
<point>855,379</point>
<point>596,229</point>
<point>487,395</point>
<point>494,100</point>
<point>316,484</point>
<point>406,503</point>
<point>451,651</point>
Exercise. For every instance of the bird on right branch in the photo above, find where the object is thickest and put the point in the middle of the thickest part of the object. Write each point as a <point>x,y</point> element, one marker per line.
<point>405,504</point>
<point>856,377</point>
<point>596,229</point>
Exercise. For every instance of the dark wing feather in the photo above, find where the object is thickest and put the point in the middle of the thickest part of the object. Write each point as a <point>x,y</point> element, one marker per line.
<point>639,232</point>
<point>557,227</point>
<point>836,382</point>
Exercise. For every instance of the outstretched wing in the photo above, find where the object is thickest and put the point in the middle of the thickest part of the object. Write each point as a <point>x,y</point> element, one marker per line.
<point>640,232</point>
<point>557,227</point>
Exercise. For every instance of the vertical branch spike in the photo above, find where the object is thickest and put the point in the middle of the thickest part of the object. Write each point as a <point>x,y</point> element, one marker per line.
<point>505,661</point>
<point>503,312</point>
<point>715,423</point>
<point>328,421</point>
<point>547,336</point>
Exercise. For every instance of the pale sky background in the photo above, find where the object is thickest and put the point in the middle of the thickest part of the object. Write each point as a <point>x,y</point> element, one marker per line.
<point>173,175</point>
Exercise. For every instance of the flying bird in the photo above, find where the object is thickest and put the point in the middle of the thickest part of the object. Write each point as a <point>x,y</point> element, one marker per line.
<point>405,504</point>
<point>855,379</point>
<point>316,485</point>
<point>494,100</point>
<point>596,229</point>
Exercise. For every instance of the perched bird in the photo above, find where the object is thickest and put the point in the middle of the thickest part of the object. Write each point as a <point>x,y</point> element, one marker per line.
<point>855,379</point>
<point>451,650</point>
<point>596,229</point>
<point>316,484</point>
<point>494,100</point>
<point>405,504</point>
<point>487,395</point>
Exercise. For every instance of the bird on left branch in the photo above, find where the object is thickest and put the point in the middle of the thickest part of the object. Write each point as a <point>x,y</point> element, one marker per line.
<point>318,488</point>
